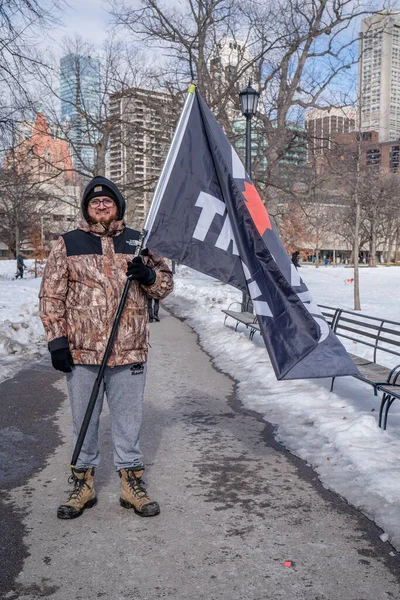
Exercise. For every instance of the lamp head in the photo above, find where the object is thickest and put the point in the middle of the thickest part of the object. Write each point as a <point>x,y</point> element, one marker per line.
<point>248,101</point>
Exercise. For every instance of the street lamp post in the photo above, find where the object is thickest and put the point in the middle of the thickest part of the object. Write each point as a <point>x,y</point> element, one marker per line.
<point>248,103</point>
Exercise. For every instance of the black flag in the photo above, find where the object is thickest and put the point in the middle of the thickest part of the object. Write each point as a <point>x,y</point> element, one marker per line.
<point>207,214</point>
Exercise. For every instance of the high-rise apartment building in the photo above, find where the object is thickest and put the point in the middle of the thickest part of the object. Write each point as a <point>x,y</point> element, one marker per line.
<point>141,133</point>
<point>323,125</point>
<point>379,75</point>
<point>293,159</point>
<point>80,104</point>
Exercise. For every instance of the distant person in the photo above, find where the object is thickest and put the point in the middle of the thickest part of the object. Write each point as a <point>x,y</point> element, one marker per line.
<point>295,259</point>
<point>153,309</point>
<point>20,267</point>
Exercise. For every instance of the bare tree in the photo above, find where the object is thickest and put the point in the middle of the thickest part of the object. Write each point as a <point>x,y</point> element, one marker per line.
<point>379,196</point>
<point>390,224</point>
<point>22,24</point>
<point>345,165</point>
<point>89,80</point>
<point>22,204</point>
<point>293,51</point>
<point>96,95</point>
<point>193,38</point>
<point>294,226</point>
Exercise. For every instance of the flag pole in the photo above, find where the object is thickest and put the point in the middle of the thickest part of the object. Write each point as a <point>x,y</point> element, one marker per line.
<point>99,378</point>
<point>169,161</point>
<point>151,215</point>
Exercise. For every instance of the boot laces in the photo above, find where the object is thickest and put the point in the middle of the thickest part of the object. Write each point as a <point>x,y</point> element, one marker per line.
<point>79,484</point>
<point>136,484</point>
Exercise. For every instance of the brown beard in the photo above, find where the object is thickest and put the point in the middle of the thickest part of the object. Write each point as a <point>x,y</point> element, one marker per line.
<point>105,221</point>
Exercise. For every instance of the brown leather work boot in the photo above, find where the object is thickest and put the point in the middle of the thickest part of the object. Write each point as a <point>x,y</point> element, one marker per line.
<point>134,495</point>
<point>83,495</point>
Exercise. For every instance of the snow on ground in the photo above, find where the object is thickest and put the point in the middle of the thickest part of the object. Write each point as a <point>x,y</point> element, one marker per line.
<point>337,433</point>
<point>22,336</point>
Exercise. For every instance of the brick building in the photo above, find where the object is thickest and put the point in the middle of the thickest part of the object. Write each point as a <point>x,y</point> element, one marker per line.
<point>384,156</point>
<point>47,161</point>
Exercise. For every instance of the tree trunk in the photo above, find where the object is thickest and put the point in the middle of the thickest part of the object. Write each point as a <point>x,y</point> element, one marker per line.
<point>396,250</point>
<point>356,241</point>
<point>101,151</point>
<point>372,244</point>
<point>356,250</point>
<point>389,250</point>
<point>17,241</point>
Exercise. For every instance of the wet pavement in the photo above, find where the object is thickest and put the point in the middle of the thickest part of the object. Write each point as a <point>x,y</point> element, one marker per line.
<point>236,506</point>
<point>28,436</point>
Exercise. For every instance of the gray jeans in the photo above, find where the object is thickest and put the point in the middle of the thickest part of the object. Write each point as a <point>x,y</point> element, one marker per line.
<point>124,388</point>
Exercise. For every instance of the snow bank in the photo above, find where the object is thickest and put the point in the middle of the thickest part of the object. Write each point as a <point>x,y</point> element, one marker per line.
<point>337,433</point>
<point>22,336</point>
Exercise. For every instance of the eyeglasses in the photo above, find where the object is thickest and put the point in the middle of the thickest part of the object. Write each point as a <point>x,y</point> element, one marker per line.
<point>107,202</point>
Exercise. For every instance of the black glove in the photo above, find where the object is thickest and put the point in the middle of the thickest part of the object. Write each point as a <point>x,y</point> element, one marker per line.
<point>137,271</point>
<point>62,360</point>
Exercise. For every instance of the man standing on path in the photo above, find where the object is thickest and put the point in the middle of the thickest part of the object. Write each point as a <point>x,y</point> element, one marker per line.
<point>20,266</point>
<point>295,259</point>
<point>81,288</point>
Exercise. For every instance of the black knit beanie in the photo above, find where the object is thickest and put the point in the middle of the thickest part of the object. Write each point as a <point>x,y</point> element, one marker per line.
<point>100,186</point>
<point>101,190</point>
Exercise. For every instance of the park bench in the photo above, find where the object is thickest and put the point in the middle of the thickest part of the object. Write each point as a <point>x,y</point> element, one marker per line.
<point>247,318</point>
<point>380,335</point>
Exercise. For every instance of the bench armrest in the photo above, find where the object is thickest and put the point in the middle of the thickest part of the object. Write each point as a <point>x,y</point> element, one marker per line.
<point>385,389</point>
<point>393,376</point>
<point>233,303</point>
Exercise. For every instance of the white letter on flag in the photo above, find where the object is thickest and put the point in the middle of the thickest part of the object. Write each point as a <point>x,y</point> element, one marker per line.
<point>225,237</point>
<point>211,206</point>
<point>260,306</point>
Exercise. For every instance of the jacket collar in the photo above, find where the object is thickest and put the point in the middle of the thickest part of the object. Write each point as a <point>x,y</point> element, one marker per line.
<point>114,228</point>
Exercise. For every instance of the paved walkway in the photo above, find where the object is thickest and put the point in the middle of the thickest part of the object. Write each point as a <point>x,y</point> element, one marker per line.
<point>235,506</point>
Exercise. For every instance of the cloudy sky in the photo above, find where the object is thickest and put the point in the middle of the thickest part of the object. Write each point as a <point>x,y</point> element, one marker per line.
<point>88,18</point>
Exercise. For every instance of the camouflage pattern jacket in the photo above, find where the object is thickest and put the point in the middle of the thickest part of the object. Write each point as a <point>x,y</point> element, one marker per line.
<point>81,288</point>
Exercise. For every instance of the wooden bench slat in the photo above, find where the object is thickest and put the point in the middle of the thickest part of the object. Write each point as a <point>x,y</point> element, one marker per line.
<point>358,360</point>
<point>374,373</point>
<point>242,317</point>
<point>368,335</point>
<point>361,323</point>
<point>352,330</point>
<point>368,367</point>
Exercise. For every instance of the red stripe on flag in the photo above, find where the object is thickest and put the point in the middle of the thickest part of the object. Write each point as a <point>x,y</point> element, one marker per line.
<point>256,208</point>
